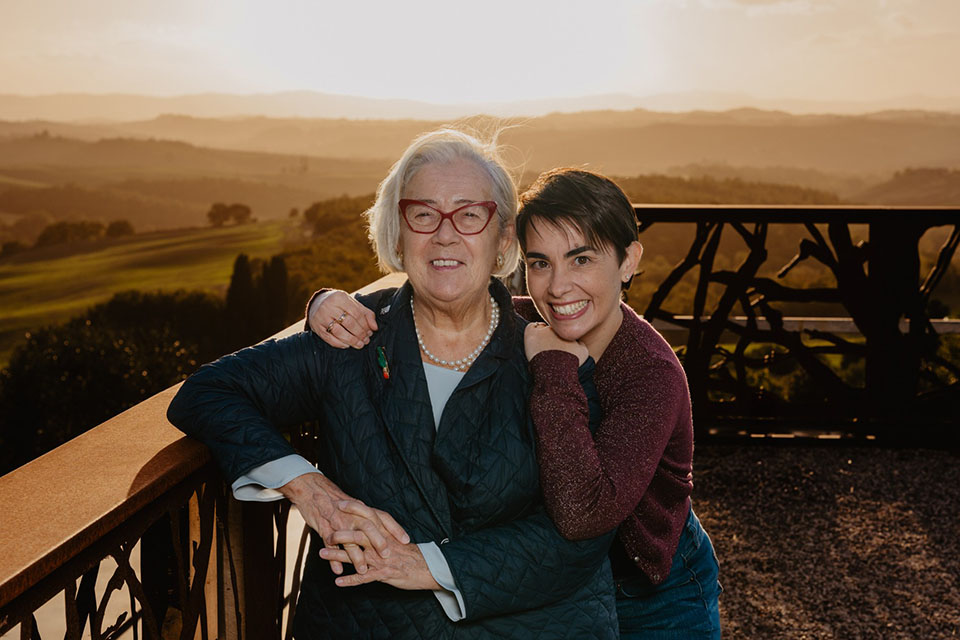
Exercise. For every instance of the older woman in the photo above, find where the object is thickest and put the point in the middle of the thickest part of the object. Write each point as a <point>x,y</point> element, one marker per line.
<point>429,480</point>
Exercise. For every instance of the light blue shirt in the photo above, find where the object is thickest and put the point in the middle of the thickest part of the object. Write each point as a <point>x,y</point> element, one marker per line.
<point>260,485</point>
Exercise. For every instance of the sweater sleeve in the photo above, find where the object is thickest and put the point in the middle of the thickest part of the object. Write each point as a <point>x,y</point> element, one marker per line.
<point>525,308</point>
<point>591,484</point>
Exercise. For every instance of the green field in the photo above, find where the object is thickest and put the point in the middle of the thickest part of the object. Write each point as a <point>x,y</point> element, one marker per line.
<point>51,285</point>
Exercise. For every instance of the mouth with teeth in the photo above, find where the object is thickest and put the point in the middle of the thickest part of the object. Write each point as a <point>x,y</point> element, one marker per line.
<point>569,310</point>
<point>444,264</point>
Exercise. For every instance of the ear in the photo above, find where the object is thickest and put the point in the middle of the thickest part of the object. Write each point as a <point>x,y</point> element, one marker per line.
<point>630,261</point>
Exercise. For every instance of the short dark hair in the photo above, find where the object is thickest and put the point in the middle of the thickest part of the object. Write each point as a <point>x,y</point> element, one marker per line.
<point>589,202</point>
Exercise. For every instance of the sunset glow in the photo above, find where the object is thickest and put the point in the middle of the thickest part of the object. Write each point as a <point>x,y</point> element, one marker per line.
<point>851,50</point>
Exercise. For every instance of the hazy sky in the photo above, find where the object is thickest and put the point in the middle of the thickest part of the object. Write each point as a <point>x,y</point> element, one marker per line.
<point>485,50</point>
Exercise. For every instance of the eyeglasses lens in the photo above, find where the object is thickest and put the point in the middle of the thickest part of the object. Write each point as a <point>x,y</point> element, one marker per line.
<point>467,220</point>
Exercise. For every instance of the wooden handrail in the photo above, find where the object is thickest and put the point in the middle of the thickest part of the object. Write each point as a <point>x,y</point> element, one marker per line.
<point>60,503</point>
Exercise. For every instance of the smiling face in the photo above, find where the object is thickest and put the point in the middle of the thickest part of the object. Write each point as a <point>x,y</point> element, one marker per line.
<point>575,286</point>
<point>444,267</point>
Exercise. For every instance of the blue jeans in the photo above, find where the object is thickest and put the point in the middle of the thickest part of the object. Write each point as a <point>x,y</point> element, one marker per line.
<point>685,605</point>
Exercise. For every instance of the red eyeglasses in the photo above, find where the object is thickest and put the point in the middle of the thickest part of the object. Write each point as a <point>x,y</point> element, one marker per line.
<point>468,220</point>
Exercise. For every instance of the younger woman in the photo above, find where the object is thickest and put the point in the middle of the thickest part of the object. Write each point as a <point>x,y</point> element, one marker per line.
<point>579,237</point>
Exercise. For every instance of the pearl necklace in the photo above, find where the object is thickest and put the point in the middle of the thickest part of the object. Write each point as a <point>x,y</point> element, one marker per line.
<point>463,363</point>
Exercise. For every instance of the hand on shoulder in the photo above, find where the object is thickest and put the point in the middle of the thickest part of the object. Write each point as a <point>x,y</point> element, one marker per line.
<point>341,320</point>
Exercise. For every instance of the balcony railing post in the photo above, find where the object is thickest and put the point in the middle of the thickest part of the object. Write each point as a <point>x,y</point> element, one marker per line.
<point>892,363</point>
<point>156,560</point>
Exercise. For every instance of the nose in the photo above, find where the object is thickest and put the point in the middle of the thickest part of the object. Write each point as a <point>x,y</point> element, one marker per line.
<point>560,282</point>
<point>446,233</point>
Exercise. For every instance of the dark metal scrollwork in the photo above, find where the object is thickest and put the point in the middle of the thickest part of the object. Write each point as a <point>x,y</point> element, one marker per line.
<point>878,284</point>
<point>182,537</point>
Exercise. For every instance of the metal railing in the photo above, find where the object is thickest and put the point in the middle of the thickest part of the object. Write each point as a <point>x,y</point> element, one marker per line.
<point>885,372</point>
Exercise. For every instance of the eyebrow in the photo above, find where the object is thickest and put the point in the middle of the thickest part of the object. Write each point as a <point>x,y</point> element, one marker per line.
<point>568,254</point>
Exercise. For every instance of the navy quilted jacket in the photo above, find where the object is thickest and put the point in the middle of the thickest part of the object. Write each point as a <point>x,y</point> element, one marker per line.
<point>471,485</point>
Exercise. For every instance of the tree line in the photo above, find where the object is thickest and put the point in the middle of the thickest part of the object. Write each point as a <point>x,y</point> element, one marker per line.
<point>64,232</point>
<point>68,231</point>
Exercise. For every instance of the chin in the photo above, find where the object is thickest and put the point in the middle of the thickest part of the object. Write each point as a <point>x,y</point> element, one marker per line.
<point>569,333</point>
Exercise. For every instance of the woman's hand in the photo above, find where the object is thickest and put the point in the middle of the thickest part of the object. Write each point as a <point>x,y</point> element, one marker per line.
<point>538,337</point>
<point>328,510</point>
<point>340,320</point>
<point>403,567</point>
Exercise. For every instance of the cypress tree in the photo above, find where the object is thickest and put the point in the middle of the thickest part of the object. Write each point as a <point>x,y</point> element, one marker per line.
<point>242,303</point>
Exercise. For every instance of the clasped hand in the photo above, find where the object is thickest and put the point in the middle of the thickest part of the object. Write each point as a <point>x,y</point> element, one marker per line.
<point>369,539</point>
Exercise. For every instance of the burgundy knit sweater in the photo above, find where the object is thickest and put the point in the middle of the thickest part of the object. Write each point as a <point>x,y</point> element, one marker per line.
<point>637,471</point>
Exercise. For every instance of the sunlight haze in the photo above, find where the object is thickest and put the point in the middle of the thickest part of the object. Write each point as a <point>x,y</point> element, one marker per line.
<point>858,51</point>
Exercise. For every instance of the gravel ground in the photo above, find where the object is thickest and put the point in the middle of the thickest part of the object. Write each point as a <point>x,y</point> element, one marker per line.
<point>833,541</point>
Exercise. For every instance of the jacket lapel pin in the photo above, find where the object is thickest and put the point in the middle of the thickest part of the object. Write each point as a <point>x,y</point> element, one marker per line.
<point>382,361</point>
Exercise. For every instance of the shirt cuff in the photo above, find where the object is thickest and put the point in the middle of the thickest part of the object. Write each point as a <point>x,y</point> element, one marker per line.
<point>449,596</point>
<point>260,483</point>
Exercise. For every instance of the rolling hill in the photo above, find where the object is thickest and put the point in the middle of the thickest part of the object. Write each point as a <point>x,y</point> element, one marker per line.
<point>49,285</point>
<point>916,187</point>
<point>165,184</point>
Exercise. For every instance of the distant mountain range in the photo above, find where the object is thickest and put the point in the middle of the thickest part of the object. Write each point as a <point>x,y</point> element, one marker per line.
<point>853,150</point>
<point>167,170</point>
<point>311,104</point>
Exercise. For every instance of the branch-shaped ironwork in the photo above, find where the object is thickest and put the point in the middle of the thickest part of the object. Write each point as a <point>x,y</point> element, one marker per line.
<point>943,263</point>
<point>697,358</point>
<point>820,372</point>
<point>851,279</point>
<point>738,286</point>
<point>194,611</point>
<point>222,506</point>
<point>295,583</point>
<point>773,291</point>
<point>741,349</point>
<point>843,346</point>
<point>691,260</point>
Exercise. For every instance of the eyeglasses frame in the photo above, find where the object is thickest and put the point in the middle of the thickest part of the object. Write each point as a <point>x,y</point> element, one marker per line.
<point>489,205</point>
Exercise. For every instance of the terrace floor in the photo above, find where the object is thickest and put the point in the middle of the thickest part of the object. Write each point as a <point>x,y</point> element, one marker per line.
<point>832,541</point>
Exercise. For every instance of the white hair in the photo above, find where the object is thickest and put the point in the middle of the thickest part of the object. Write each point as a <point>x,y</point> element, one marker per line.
<point>440,147</point>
